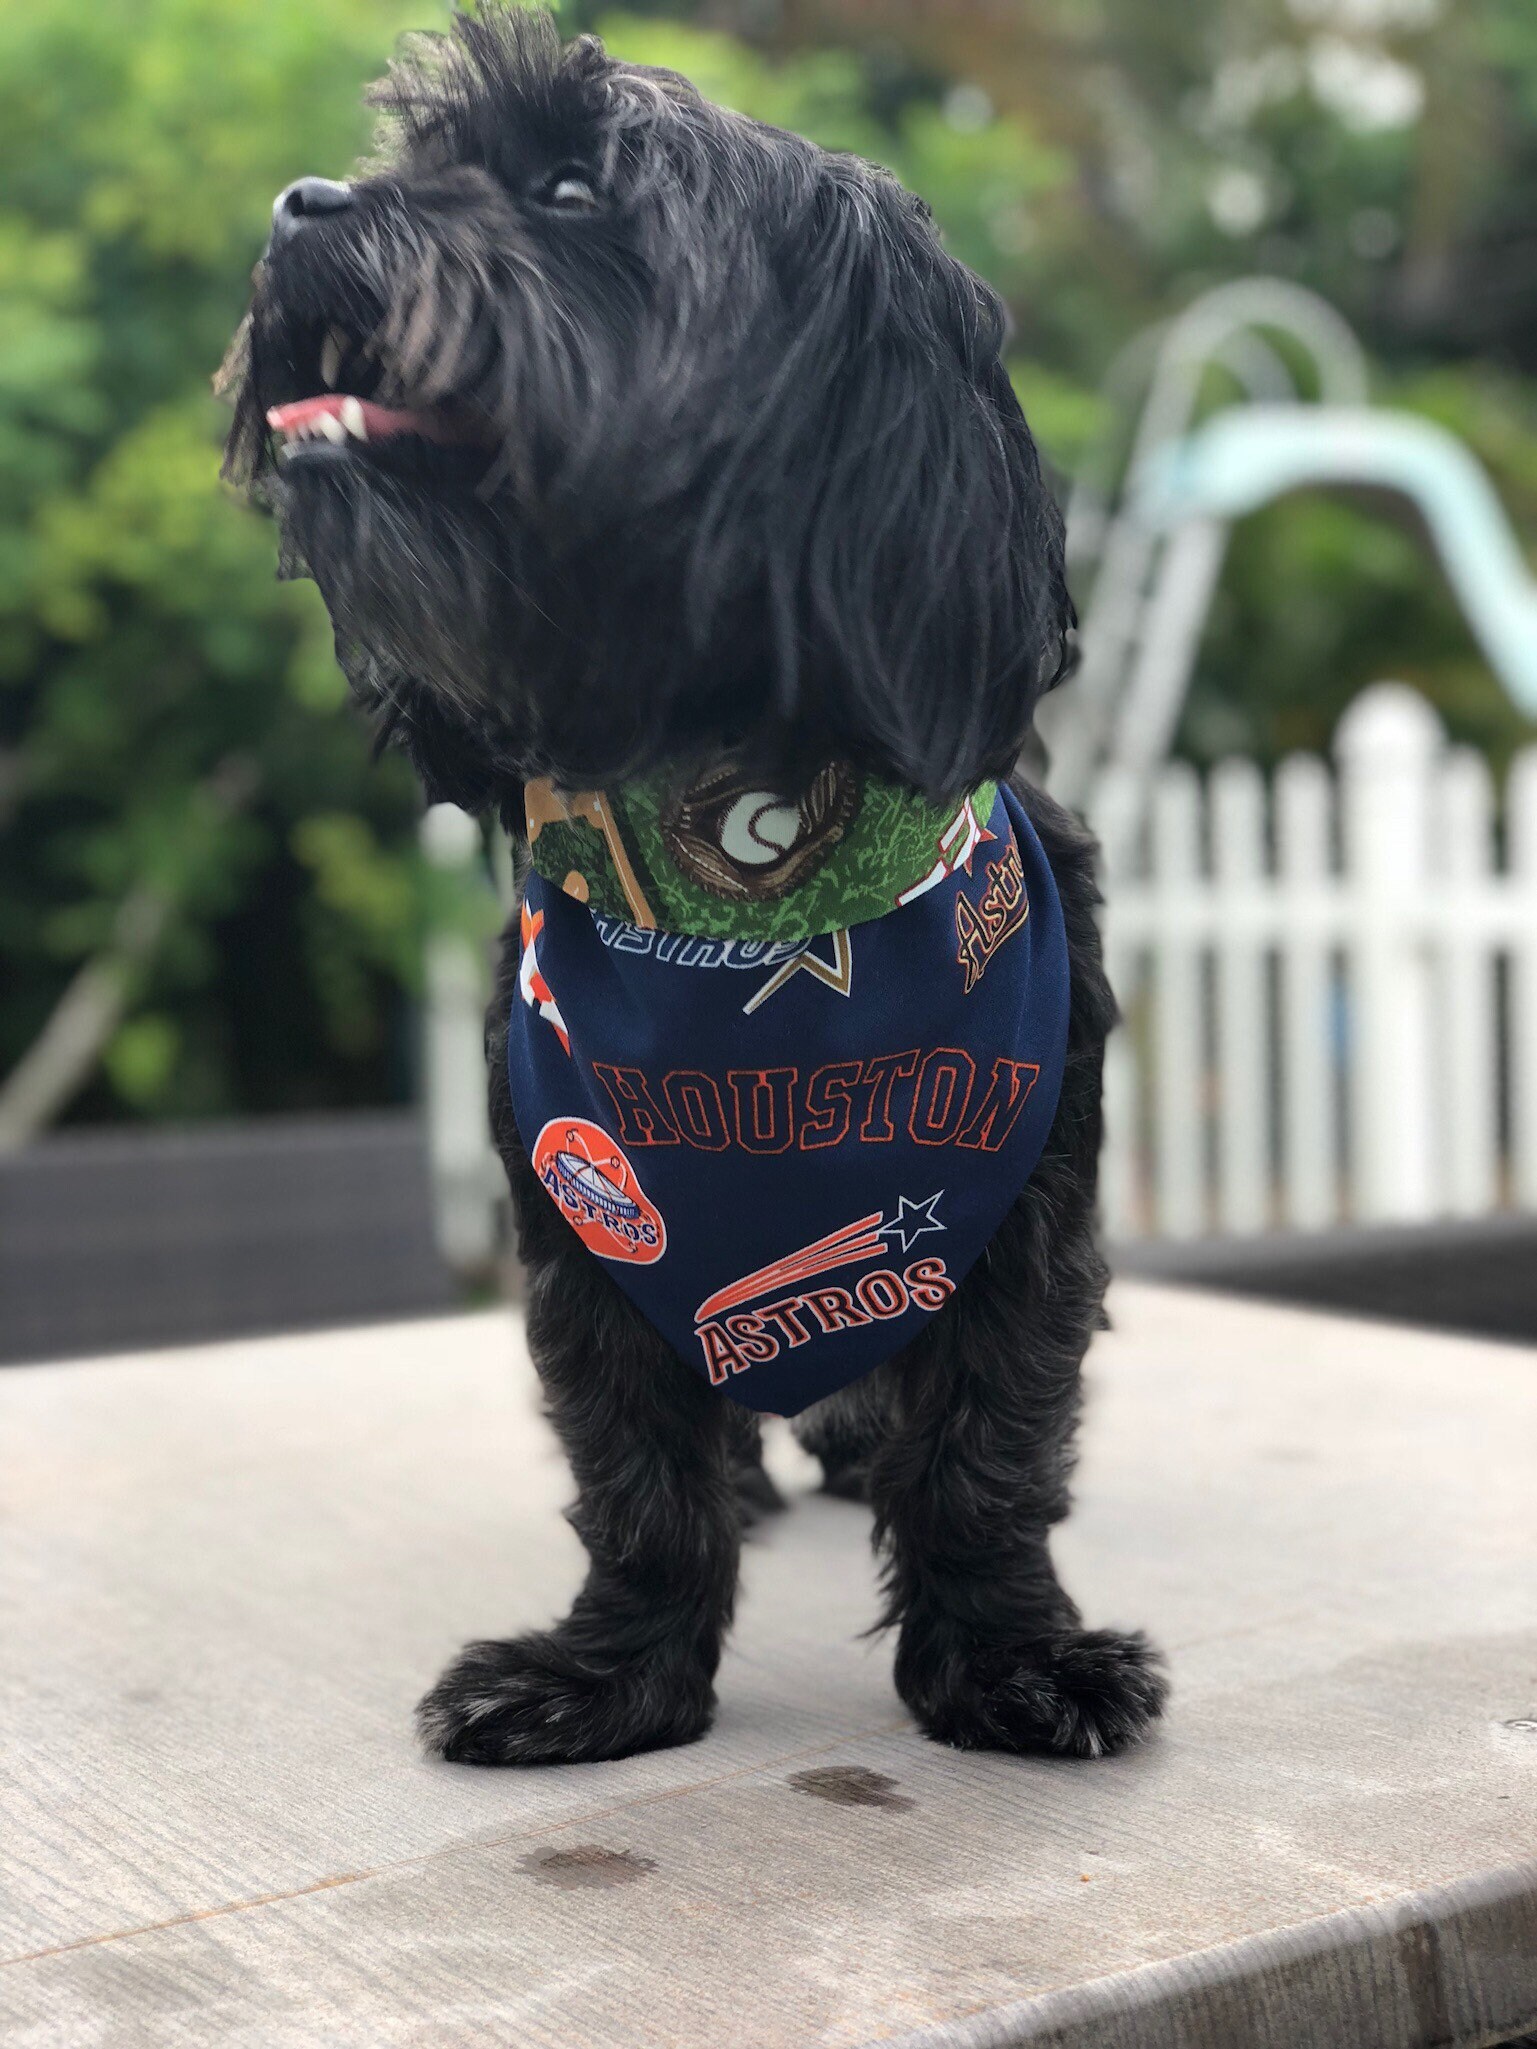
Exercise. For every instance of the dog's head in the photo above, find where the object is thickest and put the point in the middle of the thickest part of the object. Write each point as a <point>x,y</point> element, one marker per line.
<point>616,428</point>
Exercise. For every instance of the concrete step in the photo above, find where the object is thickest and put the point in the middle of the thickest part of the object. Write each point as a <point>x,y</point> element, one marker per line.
<point>228,1571</point>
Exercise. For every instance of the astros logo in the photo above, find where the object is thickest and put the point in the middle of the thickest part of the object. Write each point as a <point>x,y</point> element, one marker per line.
<point>597,1192</point>
<point>733,1344</point>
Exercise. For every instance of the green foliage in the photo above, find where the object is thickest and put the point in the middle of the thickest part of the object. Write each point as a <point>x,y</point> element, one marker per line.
<point>148,658</point>
<point>170,716</point>
<point>1391,167</point>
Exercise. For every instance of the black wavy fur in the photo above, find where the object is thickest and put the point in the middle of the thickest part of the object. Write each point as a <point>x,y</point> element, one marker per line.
<point>748,473</point>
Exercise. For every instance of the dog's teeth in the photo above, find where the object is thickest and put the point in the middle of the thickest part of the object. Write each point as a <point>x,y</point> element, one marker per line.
<point>331,352</point>
<point>352,419</point>
<point>331,427</point>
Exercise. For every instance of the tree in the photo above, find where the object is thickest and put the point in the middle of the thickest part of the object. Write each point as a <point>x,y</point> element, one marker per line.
<point>195,845</point>
<point>198,854</point>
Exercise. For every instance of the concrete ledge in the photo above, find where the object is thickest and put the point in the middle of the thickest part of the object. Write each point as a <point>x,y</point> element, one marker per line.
<point>1477,1275</point>
<point>228,1572</point>
<point>119,1239</point>
<point>1452,1964</point>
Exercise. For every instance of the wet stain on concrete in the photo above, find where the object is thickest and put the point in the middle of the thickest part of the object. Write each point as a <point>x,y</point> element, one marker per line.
<point>851,1785</point>
<point>586,1867</point>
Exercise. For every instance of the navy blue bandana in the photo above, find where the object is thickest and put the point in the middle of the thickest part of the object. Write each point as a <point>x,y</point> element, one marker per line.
<point>789,1151</point>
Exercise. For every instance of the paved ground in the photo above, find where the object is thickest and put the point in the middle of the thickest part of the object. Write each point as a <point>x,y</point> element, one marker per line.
<point>228,1572</point>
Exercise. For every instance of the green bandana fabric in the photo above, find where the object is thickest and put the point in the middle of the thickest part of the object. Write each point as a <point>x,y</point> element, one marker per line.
<point>725,859</point>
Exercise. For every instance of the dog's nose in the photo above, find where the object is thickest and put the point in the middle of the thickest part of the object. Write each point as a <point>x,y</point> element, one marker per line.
<point>306,197</point>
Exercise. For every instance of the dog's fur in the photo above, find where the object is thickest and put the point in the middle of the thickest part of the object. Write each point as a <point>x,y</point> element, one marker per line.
<point>751,477</point>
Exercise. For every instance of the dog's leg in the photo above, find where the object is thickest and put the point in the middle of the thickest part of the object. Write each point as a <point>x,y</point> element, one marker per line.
<point>991,1652</point>
<point>843,1432</point>
<point>656,1457</point>
<point>756,1493</point>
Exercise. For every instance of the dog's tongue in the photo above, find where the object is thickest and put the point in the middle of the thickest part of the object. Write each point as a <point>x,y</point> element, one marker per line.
<point>364,421</point>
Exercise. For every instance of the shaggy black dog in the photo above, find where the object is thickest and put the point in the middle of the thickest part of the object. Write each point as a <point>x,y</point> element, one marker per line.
<point>685,438</point>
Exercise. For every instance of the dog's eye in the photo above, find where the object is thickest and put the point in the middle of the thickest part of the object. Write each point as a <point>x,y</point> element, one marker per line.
<point>571,191</point>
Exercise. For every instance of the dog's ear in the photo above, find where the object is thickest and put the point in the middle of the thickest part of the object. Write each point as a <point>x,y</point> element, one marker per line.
<point>918,599</point>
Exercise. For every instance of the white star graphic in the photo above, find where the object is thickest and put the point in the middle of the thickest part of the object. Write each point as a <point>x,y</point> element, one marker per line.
<point>903,1225</point>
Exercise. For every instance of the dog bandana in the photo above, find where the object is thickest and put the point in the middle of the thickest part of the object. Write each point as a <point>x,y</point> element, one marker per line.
<point>785,1066</point>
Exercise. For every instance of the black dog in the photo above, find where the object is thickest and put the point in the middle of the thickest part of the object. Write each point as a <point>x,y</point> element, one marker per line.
<point>684,440</point>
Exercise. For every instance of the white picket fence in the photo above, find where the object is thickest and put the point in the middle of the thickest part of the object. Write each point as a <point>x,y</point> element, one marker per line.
<point>1329,986</point>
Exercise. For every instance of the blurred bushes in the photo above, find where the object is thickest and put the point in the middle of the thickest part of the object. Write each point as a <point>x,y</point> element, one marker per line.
<point>170,718</point>
<point>148,659</point>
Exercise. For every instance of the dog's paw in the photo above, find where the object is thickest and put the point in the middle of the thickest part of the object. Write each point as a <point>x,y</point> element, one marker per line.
<point>544,1700</point>
<point>1077,1693</point>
